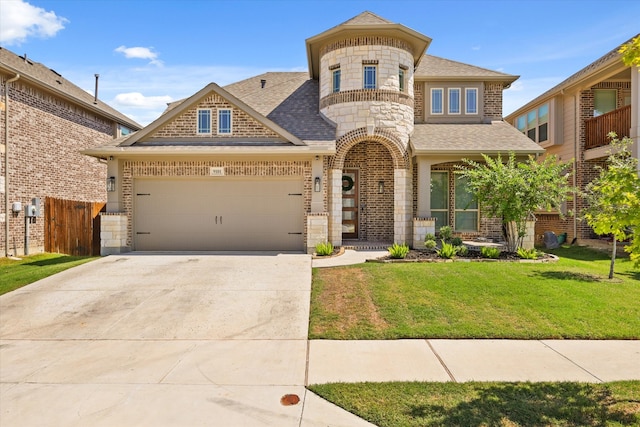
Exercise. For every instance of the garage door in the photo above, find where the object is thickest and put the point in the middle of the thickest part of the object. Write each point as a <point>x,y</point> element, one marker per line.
<point>218,214</point>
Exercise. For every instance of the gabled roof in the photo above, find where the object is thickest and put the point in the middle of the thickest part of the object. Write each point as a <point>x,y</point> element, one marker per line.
<point>48,79</point>
<point>365,24</point>
<point>466,139</point>
<point>434,68</point>
<point>197,97</point>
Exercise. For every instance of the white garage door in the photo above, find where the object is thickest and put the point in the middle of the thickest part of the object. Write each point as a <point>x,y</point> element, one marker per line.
<point>218,214</point>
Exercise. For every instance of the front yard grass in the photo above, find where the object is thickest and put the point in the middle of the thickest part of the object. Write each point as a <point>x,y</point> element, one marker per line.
<point>489,403</point>
<point>571,299</point>
<point>17,273</point>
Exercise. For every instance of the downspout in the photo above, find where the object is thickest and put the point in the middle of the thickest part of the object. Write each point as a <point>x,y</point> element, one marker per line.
<point>575,166</point>
<point>6,163</point>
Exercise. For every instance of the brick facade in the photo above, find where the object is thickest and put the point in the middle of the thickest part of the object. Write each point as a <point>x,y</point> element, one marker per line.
<point>46,134</point>
<point>493,100</point>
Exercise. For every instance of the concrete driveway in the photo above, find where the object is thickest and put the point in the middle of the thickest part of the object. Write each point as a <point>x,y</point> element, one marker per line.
<point>161,340</point>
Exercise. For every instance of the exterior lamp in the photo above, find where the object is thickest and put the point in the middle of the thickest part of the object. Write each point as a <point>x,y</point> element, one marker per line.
<point>316,184</point>
<point>111,184</point>
<point>380,187</point>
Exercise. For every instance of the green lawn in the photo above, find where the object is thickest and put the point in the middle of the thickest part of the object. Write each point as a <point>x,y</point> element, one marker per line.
<point>489,404</point>
<point>15,274</point>
<point>569,299</point>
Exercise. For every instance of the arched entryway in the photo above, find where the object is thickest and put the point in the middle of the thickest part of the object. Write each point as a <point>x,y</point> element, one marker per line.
<point>370,189</point>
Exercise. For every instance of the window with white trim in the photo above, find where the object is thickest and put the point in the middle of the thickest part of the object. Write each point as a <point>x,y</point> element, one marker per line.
<point>204,122</point>
<point>466,207</point>
<point>336,81</point>
<point>471,100</point>
<point>437,101</point>
<point>440,198</point>
<point>369,78</point>
<point>224,121</point>
<point>454,101</point>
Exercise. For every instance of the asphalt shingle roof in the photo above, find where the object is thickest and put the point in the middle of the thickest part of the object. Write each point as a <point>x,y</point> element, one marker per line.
<point>435,67</point>
<point>52,80</point>
<point>494,137</point>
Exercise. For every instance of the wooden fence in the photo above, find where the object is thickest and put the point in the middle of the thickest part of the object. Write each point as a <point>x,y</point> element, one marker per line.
<point>72,227</point>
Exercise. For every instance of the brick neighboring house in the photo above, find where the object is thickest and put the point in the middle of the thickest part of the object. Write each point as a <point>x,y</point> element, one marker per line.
<point>572,120</point>
<point>50,121</point>
<point>359,149</point>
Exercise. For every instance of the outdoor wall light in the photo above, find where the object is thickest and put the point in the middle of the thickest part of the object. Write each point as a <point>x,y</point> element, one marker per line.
<point>111,184</point>
<point>380,187</point>
<point>316,184</point>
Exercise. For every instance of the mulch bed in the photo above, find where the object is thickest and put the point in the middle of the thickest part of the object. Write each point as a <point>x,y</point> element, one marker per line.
<point>421,255</point>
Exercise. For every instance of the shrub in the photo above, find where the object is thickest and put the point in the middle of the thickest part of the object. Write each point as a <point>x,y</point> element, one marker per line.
<point>456,241</point>
<point>430,244</point>
<point>445,233</point>
<point>324,248</point>
<point>528,253</point>
<point>398,251</point>
<point>462,250</point>
<point>447,250</point>
<point>489,252</point>
<point>429,236</point>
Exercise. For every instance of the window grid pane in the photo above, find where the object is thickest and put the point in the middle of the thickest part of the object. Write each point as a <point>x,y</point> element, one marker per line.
<point>204,121</point>
<point>472,101</point>
<point>439,190</point>
<point>224,121</point>
<point>401,79</point>
<point>436,101</point>
<point>369,77</point>
<point>466,207</point>
<point>454,101</point>
<point>336,81</point>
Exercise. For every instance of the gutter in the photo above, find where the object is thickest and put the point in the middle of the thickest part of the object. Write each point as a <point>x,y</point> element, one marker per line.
<point>6,163</point>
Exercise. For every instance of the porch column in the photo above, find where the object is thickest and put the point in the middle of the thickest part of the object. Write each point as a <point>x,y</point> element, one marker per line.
<point>402,206</point>
<point>335,206</point>
<point>424,188</point>
<point>635,113</point>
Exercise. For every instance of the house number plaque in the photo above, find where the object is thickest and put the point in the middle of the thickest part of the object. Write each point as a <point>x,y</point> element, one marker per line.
<point>216,171</point>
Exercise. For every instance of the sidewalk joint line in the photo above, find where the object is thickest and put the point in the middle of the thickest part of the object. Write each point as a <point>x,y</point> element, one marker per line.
<point>435,353</point>
<point>571,361</point>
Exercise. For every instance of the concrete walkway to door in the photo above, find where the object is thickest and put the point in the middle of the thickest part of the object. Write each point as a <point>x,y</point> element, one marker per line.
<point>162,340</point>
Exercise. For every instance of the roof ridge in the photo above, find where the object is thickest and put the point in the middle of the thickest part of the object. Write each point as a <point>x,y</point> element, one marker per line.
<point>468,65</point>
<point>363,16</point>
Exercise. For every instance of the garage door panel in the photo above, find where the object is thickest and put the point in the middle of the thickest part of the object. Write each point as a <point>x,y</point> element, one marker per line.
<point>218,214</point>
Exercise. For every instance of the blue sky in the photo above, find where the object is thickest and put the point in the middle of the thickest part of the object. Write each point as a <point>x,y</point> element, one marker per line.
<point>149,53</point>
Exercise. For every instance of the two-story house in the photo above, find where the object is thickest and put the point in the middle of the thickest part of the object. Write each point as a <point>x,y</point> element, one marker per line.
<point>45,120</point>
<point>359,149</point>
<point>572,121</point>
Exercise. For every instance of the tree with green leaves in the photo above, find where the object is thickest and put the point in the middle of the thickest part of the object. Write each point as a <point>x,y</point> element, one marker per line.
<point>614,199</point>
<point>631,52</point>
<point>513,191</point>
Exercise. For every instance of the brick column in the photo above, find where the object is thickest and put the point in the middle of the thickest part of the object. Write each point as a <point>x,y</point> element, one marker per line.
<point>317,230</point>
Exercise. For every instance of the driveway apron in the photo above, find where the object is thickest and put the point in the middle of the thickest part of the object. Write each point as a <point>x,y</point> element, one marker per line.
<point>158,340</point>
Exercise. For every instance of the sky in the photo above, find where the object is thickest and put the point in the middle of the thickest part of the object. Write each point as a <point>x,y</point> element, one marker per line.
<point>149,53</point>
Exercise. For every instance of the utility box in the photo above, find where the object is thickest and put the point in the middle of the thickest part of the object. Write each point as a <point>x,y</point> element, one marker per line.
<point>35,202</point>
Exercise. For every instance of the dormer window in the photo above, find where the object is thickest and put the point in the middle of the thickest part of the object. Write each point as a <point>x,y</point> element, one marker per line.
<point>204,122</point>
<point>436,100</point>
<point>224,121</point>
<point>471,95</point>
<point>454,101</point>
<point>369,80</point>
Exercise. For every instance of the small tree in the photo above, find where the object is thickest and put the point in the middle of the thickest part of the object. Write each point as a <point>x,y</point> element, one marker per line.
<point>513,191</point>
<point>614,199</point>
<point>631,52</point>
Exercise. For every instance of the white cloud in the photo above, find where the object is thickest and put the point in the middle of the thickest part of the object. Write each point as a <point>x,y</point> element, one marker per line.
<point>138,100</point>
<point>140,53</point>
<point>20,20</point>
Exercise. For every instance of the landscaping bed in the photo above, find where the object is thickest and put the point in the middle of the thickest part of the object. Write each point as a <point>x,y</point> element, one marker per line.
<point>416,255</point>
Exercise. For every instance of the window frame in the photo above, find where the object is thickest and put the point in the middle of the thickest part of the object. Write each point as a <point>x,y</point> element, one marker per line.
<point>200,129</point>
<point>224,131</point>
<point>526,125</point>
<point>441,91</point>
<point>365,83</point>
<point>401,80</point>
<point>450,92</point>
<point>467,91</point>
<point>444,210</point>
<point>456,209</point>
<point>336,76</point>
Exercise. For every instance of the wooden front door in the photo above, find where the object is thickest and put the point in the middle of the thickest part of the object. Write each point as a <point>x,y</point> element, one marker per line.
<point>350,204</point>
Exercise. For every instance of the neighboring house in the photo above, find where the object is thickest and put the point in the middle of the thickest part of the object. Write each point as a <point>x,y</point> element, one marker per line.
<point>572,121</point>
<point>360,148</point>
<point>50,121</point>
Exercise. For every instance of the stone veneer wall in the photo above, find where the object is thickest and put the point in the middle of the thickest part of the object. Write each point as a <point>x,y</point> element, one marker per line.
<point>46,135</point>
<point>185,125</point>
<point>422,227</point>
<point>200,168</point>
<point>317,230</point>
<point>113,233</point>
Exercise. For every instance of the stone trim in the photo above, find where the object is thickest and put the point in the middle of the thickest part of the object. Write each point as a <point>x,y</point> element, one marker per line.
<point>385,137</point>
<point>366,41</point>
<point>363,95</point>
<point>370,62</point>
<point>334,67</point>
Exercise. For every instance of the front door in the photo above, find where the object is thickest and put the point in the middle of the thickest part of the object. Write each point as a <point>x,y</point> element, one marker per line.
<point>350,204</point>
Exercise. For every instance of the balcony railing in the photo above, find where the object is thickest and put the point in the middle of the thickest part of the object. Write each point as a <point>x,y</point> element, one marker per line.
<point>597,128</point>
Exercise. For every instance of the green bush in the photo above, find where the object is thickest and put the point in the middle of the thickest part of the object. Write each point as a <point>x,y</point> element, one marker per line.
<point>462,250</point>
<point>429,236</point>
<point>446,232</point>
<point>489,252</point>
<point>430,244</point>
<point>447,250</point>
<point>398,251</point>
<point>456,241</point>
<point>324,249</point>
<point>528,253</point>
